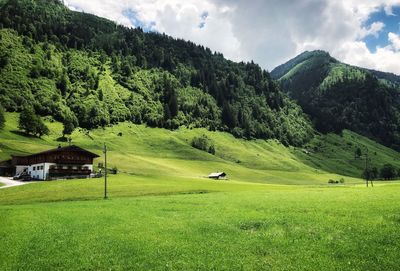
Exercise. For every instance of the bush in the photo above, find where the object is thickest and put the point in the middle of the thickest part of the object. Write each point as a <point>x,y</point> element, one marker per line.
<point>341,180</point>
<point>203,143</point>
<point>114,170</point>
<point>388,172</point>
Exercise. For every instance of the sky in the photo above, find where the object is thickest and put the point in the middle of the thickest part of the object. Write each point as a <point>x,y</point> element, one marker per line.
<point>364,33</point>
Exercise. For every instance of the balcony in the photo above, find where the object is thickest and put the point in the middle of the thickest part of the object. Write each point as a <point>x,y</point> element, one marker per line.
<point>68,172</point>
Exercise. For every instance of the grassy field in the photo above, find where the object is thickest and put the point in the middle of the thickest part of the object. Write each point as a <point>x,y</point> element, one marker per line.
<point>163,214</point>
<point>241,227</point>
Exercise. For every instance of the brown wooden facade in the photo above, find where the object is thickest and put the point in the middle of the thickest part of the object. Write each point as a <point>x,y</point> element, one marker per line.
<point>64,161</point>
<point>71,155</point>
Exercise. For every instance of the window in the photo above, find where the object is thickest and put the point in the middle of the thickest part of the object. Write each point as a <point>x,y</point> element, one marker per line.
<point>34,168</point>
<point>41,167</point>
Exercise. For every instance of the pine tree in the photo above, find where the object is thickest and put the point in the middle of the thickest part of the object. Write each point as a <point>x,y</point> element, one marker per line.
<point>173,105</point>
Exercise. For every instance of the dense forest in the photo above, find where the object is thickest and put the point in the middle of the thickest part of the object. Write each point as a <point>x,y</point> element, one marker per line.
<point>87,71</point>
<point>339,96</point>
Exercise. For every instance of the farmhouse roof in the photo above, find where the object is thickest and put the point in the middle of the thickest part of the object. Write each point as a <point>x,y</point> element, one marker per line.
<point>217,174</point>
<point>72,148</point>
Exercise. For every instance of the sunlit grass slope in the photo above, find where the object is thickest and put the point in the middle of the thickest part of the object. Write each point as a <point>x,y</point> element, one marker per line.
<point>160,153</point>
<point>336,153</point>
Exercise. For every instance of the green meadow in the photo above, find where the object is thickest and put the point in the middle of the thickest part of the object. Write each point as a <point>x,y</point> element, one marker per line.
<point>276,211</point>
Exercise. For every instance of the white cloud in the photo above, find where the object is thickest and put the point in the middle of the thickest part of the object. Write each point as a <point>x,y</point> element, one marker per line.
<point>266,31</point>
<point>395,41</point>
<point>389,10</point>
<point>374,29</point>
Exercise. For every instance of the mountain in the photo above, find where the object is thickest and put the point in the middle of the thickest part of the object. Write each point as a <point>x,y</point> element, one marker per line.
<point>87,71</point>
<point>338,96</point>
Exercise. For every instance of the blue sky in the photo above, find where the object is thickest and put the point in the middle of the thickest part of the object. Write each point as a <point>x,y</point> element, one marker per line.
<point>132,15</point>
<point>392,24</point>
<point>359,32</point>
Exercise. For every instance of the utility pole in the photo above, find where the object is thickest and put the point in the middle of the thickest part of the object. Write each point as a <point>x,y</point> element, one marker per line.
<point>105,171</point>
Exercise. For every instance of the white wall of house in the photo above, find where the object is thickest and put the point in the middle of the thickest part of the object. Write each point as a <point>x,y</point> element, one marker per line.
<point>41,171</point>
<point>89,166</point>
<point>47,168</point>
<point>37,171</point>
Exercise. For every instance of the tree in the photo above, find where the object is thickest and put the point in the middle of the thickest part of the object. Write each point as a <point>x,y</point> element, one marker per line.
<point>27,120</point>
<point>388,172</point>
<point>173,104</point>
<point>63,83</point>
<point>358,153</point>
<point>41,128</point>
<point>2,118</point>
<point>3,60</point>
<point>228,116</point>
<point>101,95</point>
<point>32,124</point>
<point>69,127</point>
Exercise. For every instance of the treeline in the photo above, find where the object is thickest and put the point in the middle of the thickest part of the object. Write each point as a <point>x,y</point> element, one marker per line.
<point>172,82</point>
<point>386,172</point>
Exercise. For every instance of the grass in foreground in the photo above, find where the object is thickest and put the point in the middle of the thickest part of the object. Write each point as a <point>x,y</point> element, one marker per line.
<point>238,228</point>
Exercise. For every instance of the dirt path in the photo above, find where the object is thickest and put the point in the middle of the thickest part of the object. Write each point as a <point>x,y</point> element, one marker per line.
<point>10,182</point>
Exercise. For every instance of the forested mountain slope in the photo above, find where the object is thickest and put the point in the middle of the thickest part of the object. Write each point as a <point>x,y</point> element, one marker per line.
<point>339,96</point>
<point>88,71</point>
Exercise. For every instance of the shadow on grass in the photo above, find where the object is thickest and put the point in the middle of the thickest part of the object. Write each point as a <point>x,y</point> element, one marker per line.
<point>23,134</point>
<point>62,139</point>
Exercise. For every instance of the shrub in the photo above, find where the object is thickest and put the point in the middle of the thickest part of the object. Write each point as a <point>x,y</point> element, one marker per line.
<point>203,143</point>
<point>114,170</point>
<point>388,172</point>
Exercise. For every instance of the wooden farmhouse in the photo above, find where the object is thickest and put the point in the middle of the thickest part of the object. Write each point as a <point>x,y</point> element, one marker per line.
<point>70,161</point>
